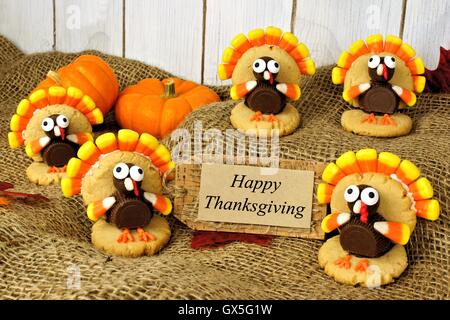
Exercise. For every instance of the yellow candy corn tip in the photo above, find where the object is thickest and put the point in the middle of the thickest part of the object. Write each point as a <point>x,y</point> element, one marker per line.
<point>13,141</point>
<point>233,93</point>
<point>28,150</point>
<point>425,188</point>
<point>413,100</point>
<point>66,187</point>
<point>22,107</point>
<point>90,212</point>
<point>336,76</point>
<point>105,139</point>
<point>389,158</point>
<point>290,38</point>
<point>127,135</point>
<point>366,154</point>
<point>72,167</point>
<point>37,95</point>
<point>86,150</point>
<point>256,33</point>
<point>169,207</point>
<point>238,40</point>
<point>57,91</point>
<point>330,170</point>
<point>406,233</point>
<point>324,223</point>
<point>74,92</point>
<point>149,140</point>
<point>433,210</point>
<point>346,96</point>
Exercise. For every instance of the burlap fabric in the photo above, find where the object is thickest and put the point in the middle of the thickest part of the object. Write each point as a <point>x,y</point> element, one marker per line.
<point>42,246</point>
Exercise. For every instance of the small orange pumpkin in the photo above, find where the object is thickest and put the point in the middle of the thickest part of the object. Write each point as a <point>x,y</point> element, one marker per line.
<point>158,107</point>
<point>90,74</point>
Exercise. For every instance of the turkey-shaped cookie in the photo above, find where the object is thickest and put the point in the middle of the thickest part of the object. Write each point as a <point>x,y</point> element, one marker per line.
<point>53,123</point>
<point>120,180</point>
<point>380,77</point>
<point>265,69</point>
<point>374,200</point>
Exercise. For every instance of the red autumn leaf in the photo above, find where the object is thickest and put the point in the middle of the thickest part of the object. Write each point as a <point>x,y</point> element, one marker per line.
<point>214,239</point>
<point>18,195</point>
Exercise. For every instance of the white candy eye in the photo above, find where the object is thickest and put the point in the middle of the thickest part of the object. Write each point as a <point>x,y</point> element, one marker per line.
<point>121,171</point>
<point>47,124</point>
<point>62,121</point>
<point>273,66</point>
<point>259,65</point>
<point>136,173</point>
<point>370,196</point>
<point>374,61</point>
<point>351,194</point>
<point>389,62</point>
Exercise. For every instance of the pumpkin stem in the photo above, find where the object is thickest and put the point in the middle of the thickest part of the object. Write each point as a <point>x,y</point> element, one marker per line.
<point>169,88</point>
<point>54,76</point>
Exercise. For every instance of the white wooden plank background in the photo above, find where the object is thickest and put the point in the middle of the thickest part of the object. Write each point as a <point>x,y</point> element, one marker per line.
<point>328,27</point>
<point>85,24</point>
<point>166,34</point>
<point>28,23</point>
<point>427,26</point>
<point>187,37</point>
<point>225,19</point>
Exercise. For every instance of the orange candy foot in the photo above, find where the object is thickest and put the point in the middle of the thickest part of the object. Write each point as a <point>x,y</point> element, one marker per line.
<point>343,262</point>
<point>144,235</point>
<point>257,116</point>
<point>272,118</point>
<point>387,120</point>
<point>370,119</point>
<point>125,236</point>
<point>54,169</point>
<point>362,266</point>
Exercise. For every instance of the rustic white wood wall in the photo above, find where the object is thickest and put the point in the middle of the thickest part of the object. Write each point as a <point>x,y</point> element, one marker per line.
<point>186,37</point>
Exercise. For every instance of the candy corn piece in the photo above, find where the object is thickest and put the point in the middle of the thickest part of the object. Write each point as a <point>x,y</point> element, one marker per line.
<point>407,172</point>
<point>15,139</point>
<point>307,66</point>
<point>338,75</point>
<point>288,41</point>
<point>388,163</point>
<point>160,156</point>
<point>290,90</point>
<point>86,105</point>
<point>405,52</point>
<point>225,71</point>
<point>392,43</point>
<point>300,52</point>
<point>273,35</point>
<point>324,192</point>
<point>89,153</point>
<point>147,144</point>
<point>347,162</point>
<point>353,92</point>
<point>335,220</point>
<point>241,90</point>
<point>367,160</point>
<point>419,83</point>
<point>375,43</point>
<point>256,37</point>
<point>39,98</point>
<point>56,95</point>
<point>416,66</point>
<point>35,146</point>
<point>395,231</point>
<point>96,210</point>
<point>128,139</point>
<point>241,43</point>
<point>80,138</point>
<point>160,203</point>
<point>407,96</point>
<point>421,189</point>
<point>18,123</point>
<point>230,55</point>
<point>70,186</point>
<point>106,142</point>
<point>25,109</point>
<point>332,174</point>
<point>73,96</point>
<point>167,166</point>
<point>358,48</point>
<point>76,168</point>
<point>428,209</point>
<point>95,116</point>
<point>345,60</point>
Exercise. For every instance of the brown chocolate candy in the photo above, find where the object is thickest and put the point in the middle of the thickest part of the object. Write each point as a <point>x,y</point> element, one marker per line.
<point>130,213</point>
<point>379,98</point>
<point>58,154</point>
<point>361,239</point>
<point>266,99</point>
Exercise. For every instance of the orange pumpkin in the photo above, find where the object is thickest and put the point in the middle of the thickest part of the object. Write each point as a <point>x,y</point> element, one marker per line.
<point>92,75</point>
<point>157,107</point>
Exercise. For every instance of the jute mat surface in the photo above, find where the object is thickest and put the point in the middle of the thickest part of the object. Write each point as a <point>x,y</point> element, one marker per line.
<point>42,247</point>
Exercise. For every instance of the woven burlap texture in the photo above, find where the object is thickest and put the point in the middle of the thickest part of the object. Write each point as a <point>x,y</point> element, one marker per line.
<point>42,247</point>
